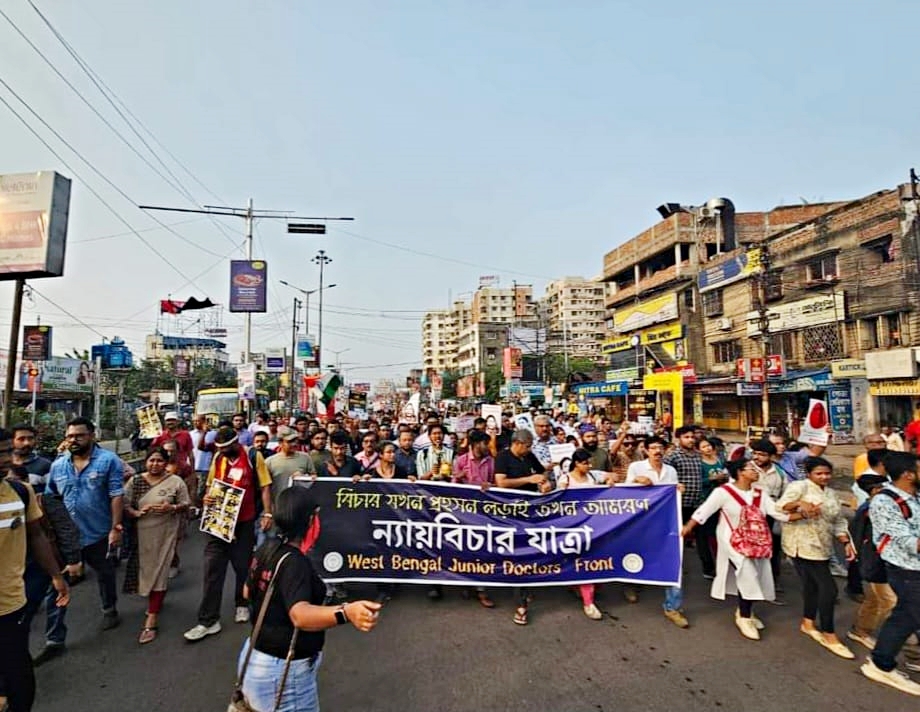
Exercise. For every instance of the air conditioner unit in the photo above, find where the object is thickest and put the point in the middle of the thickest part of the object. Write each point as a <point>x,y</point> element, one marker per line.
<point>706,212</point>
<point>725,324</point>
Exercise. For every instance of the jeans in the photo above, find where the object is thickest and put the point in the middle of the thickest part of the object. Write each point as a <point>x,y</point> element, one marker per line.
<point>263,675</point>
<point>96,556</point>
<point>904,619</point>
<point>17,679</point>
<point>217,554</point>
<point>38,590</point>
<point>673,598</point>
<point>819,592</point>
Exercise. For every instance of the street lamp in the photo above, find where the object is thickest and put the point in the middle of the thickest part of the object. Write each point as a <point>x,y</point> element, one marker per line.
<point>338,357</point>
<point>306,293</point>
<point>321,259</point>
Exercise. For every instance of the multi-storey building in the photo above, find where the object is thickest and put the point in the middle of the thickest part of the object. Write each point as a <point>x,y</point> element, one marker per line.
<point>834,308</point>
<point>198,350</point>
<point>498,305</point>
<point>439,341</point>
<point>479,346</point>
<point>574,313</point>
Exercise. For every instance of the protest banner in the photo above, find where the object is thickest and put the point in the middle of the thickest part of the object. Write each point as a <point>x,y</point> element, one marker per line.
<point>219,519</point>
<point>492,414</point>
<point>456,534</point>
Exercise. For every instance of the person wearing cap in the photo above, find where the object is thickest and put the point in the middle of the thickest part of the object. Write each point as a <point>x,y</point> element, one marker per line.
<point>185,448</point>
<point>233,464</point>
<point>288,463</point>
<point>878,598</point>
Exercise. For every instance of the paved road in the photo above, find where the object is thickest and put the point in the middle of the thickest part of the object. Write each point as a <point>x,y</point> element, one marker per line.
<point>455,656</point>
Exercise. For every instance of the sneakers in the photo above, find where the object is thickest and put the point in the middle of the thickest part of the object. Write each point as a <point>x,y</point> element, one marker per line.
<point>110,619</point>
<point>593,613</point>
<point>747,627</point>
<point>864,639</point>
<point>201,631</point>
<point>913,666</point>
<point>49,652</point>
<point>241,615</point>
<point>677,618</point>
<point>891,678</point>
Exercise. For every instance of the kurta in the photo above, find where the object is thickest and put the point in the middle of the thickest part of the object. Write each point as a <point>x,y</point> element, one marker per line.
<point>157,533</point>
<point>753,578</point>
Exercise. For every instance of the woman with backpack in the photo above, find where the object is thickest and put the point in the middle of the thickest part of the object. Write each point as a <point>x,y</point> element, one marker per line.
<point>809,542</point>
<point>745,542</point>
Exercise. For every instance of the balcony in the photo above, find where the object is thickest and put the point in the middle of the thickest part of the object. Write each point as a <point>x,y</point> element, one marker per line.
<point>650,284</point>
<point>659,237</point>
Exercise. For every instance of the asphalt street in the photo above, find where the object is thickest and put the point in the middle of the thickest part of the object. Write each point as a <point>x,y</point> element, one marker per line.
<point>453,655</point>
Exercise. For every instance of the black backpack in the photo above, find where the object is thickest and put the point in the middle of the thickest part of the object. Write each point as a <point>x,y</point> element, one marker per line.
<point>871,566</point>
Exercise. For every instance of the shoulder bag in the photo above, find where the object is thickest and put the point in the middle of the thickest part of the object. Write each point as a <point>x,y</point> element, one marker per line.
<point>238,701</point>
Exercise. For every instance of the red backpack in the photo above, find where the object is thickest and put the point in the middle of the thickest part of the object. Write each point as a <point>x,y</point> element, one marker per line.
<point>752,538</point>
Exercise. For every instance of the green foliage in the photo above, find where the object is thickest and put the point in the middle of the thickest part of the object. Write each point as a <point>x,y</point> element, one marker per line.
<point>449,389</point>
<point>49,429</point>
<point>494,381</point>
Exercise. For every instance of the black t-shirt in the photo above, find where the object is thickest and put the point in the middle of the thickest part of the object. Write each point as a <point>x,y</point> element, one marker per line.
<point>506,463</point>
<point>349,468</point>
<point>297,581</point>
<point>503,439</point>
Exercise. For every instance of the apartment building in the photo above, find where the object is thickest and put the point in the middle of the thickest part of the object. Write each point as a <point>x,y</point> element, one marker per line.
<point>498,305</point>
<point>480,345</point>
<point>574,313</point>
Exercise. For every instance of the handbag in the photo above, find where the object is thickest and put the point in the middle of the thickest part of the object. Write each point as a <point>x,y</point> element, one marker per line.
<point>238,701</point>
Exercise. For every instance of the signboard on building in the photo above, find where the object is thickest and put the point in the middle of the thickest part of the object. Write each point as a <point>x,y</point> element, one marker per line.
<point>895,387</point>
<point>248,286</point>
<point>489,280</point>
<point>672,383</point>
<point>601,389</point>
<point>840,405</point>
<point>36,343</point>
<point>893,363</point>
<point>731,270</point>
<point>749,389</point>
<point>755,371</point>
<point>627,319</point>
<point>274,361</point>
<point>622,374</point>
<point>305,350</point>
<point>776,365</point>
<point>512,362</point>
<point>848,368</point>
<point>641,404</point>
<point>823,309</point>
<point>34,209</point>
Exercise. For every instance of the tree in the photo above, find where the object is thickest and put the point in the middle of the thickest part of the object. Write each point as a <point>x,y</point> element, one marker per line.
<point>494,381</point>
<point>556,371</point>
<point>449,384</point>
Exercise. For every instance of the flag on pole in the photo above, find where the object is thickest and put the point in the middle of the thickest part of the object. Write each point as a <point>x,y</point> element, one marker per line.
<point>328,386</point>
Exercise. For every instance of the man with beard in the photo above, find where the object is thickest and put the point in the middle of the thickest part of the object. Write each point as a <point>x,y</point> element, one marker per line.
<point>90,479</point>
<point>318,452</point>
<point>405,453</point>
<point>600,458</point>
<point>340,464</point>
<point>25,456</point>
<point>235,465</point>
<point>303,441</point>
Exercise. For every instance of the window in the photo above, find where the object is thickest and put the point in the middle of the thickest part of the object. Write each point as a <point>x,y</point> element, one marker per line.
<point>822,269</point>
<point>820,343</point>
<point>882,247</point>
<point>726,351</point>
<point>773,285</point>
<point>892,324</point>
<point>783,344</point>
<point>712,302</point>
<point>689,302</point>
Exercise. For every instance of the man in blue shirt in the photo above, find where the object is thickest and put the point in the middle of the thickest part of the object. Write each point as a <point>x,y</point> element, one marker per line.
<point>90,479</point>
<point>895,516</point>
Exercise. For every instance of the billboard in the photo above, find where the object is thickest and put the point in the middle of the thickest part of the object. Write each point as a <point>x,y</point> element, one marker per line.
<point>248,286</point>
<point>36,343</point>
<point>627,319</point>
<point>274,361</point>
<point>34,208</point>
<point>56,374</point>
<point>512,363</point>
<point>729,271</point>
<point>788,316</point>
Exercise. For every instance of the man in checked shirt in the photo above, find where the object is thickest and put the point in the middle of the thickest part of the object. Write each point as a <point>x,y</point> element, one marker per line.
<point>685,458</point>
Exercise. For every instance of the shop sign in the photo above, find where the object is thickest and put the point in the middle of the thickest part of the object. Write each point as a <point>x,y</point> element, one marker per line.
<point>749,389</point>
<point>732,270</point>
<point>622,374</point>
<point>892,363</point>
<point>800,314</point>
<point>819,382</point>
<point>653,311</point>
<point>895,387</point>
<point>848,368</point>
<point>648,336</point>
<point>840,405</point>
<point>776,365</point>
<point>601,389</point>
<point>687,371</point>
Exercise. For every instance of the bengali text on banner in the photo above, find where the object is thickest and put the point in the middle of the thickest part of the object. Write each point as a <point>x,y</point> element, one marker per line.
<point>401,531</point>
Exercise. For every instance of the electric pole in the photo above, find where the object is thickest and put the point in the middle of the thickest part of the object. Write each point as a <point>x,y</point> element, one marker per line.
<point>763,322</point>
<point>249,216</point>
<point>294,325</point>
<point>322,259</point>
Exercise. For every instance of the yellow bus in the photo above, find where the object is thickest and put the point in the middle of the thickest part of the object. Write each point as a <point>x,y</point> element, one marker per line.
<point>222,403</point>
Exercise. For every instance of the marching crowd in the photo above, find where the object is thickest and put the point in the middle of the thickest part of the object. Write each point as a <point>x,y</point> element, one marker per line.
<point>743,512</point>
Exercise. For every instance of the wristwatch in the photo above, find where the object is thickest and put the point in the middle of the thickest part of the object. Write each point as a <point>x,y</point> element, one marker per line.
<point>341,618</point>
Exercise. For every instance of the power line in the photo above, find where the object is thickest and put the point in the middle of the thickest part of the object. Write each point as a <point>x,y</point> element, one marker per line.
<point>128,234</point>
<point>75,318</point>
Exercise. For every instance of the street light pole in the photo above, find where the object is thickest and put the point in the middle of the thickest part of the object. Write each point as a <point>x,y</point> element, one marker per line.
<point>297,304</point>
<point>322,259</point>
<point>307,294</point>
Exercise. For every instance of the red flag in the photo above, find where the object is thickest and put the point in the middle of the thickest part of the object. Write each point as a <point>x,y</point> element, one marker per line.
<point>168,306</point>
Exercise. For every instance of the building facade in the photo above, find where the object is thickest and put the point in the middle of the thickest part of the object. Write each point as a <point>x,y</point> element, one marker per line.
<point>198,350</point>
<point>574,315</point>
<point>480,346</point>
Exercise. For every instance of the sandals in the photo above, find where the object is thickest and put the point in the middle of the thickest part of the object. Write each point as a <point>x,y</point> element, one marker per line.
<point>520,615</point>
<point>484,600</point>
<point>148,635</point>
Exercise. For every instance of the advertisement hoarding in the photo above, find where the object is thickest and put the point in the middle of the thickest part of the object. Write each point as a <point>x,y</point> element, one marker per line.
<point>248,286</point>
<point>36,343</point>
<point>34,209</point>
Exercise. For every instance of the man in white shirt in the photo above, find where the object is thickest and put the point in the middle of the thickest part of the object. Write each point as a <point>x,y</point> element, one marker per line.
<point>654,471</point>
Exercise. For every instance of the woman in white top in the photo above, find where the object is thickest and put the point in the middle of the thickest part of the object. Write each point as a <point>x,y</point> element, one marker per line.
<point>580,475</point>
<point>750,579</point>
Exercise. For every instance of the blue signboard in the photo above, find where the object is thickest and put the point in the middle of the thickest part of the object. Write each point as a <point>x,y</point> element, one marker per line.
<point>601,389</point>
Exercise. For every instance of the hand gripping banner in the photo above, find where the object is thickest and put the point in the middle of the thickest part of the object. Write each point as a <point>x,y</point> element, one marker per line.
<point>400,531</point>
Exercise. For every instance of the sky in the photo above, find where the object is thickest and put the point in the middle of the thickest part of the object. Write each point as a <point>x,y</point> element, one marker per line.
<point>522,139</point>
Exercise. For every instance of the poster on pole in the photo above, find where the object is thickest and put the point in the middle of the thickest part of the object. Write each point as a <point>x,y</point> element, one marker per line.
<point>492,414</point>
<point>148,422</point>
<point>248,286</point>
<point>246,381</point>
<point>814,427</point>
<point>36,343</point>
<point>219,518</point>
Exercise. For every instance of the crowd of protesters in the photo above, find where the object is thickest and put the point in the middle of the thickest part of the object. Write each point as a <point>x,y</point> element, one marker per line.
<point>743,512</point>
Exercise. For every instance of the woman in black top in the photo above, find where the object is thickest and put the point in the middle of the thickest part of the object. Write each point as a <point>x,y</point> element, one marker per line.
<point>295,604</point>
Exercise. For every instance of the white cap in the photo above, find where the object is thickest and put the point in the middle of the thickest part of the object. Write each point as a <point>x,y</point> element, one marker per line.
<point>171,415</point>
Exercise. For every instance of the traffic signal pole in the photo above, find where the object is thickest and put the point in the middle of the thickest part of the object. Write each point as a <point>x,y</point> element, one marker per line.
<point>18,289</point>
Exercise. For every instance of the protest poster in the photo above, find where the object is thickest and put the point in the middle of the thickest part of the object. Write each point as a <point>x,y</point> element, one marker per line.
<point>219,518</point>
<point>399,531</point>
<point>524,421</point>
<point>148,422</point>
<point>492,414</point>
<point>464,423</point>
<point>814,427</point>
<point>561,454</point>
